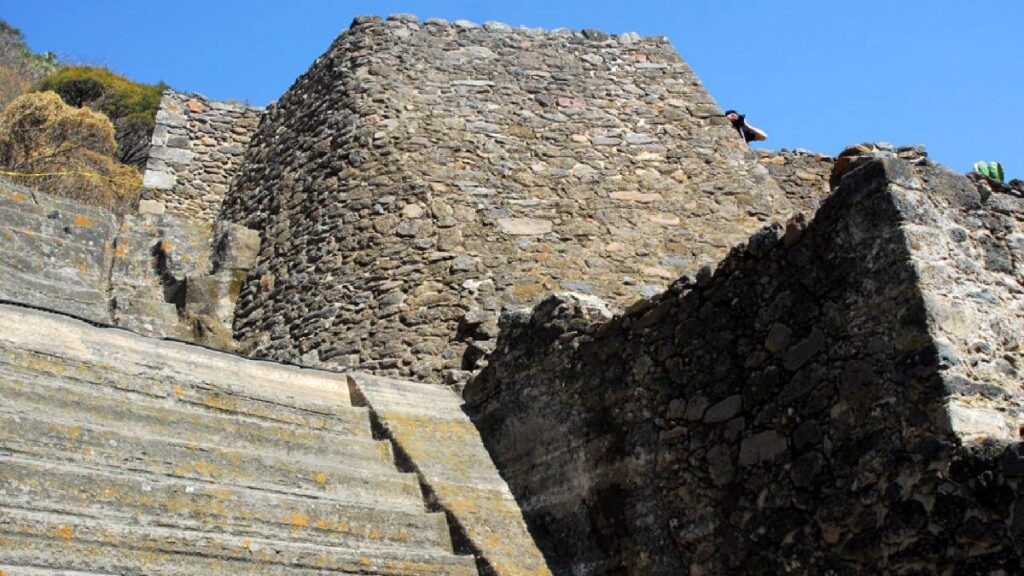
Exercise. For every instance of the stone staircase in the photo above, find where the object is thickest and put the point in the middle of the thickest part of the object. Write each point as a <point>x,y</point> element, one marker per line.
<point>126,455</point>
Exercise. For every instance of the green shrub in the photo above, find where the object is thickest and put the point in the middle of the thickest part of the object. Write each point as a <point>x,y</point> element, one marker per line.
<point>130,105</point>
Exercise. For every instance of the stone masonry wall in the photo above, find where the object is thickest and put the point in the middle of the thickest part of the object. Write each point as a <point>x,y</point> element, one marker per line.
<point>422,175</point>
<point>197,145</point>
<point>803,176</point>
<point>805,409</point>
<point>969,256</point>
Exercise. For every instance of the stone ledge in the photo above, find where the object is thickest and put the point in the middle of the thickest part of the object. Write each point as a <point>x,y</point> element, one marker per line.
<point>495,27</point>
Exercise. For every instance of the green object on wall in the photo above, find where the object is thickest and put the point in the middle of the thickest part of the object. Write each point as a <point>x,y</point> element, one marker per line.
<point>993,170</point>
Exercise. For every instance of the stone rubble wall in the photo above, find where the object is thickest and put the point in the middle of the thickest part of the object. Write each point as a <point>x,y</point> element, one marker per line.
<point>155,274</point>
<point>969,257</point>
<point>817,405</point>
<point>196,148</point>
<point>423,175</point>
<point>802,175</point>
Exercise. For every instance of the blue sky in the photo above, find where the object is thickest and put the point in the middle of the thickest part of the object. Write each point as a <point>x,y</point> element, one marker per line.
<point>815,75</point>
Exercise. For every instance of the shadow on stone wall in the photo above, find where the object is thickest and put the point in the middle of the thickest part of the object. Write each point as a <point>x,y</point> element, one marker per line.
<point>787,413</point>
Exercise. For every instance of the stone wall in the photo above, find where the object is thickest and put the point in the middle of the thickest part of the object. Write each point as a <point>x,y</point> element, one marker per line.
<point>196,148</point>
<point>155,274</point>
<point>969,257</point>
<point>817,405</point>
<point>802,175</point>
<point>422,175</point>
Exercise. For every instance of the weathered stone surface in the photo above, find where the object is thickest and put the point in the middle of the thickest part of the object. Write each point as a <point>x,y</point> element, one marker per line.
<point>534,151</point>
<point>163,458</point>
<point>842,395</point>
<point>829,401</point>
<point>152,207</point>
<point>636,197</point>
<point>152,273</point>
<point>159,179</point>
<point>197,145</point>
<point>762,447</point>
<point>724,410</point>
<point>524,226</point>
<point>236,247</point>
<point>803,176</point>
<point>427,425</point>
<point>55,253</point>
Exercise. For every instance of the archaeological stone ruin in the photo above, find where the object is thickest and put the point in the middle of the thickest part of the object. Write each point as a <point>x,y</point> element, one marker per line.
<point>476,299</point>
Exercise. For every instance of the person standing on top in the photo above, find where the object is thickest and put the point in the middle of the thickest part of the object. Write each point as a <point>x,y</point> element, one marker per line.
<point>748,132</point>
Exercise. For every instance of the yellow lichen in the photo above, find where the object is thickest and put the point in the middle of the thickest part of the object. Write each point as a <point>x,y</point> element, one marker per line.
<point>299,520</point>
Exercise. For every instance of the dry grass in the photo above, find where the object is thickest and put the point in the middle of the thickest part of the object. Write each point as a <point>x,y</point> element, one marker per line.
<point>65,151</point>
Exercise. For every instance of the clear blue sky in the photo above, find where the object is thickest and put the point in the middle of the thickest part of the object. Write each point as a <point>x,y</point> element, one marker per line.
<point>814,74</point>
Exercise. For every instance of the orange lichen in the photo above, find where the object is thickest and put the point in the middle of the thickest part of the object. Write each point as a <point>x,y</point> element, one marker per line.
<point>299,520</point>
<point>82,221</point>
<point>204,468</point>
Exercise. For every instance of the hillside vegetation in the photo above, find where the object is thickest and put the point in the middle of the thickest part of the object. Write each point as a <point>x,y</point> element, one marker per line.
<point>131,106</point>
<point>73,130</point>
<point>20,68</point>
<point>66,151</point>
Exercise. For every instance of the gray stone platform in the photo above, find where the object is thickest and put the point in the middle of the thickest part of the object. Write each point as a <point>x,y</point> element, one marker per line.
<point>121,454</point>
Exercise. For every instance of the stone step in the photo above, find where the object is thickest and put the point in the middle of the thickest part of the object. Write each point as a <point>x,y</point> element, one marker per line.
<point>68,399</point>
<point>136,498</point>
<point>37,437</point>
<point>21,284</point>
<point>210,395</point>
<point>444,447</point>
<point>47,540</point>
<point>121,360</point>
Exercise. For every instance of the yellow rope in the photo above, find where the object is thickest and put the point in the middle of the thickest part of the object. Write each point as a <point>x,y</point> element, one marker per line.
<point>45,174</point>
